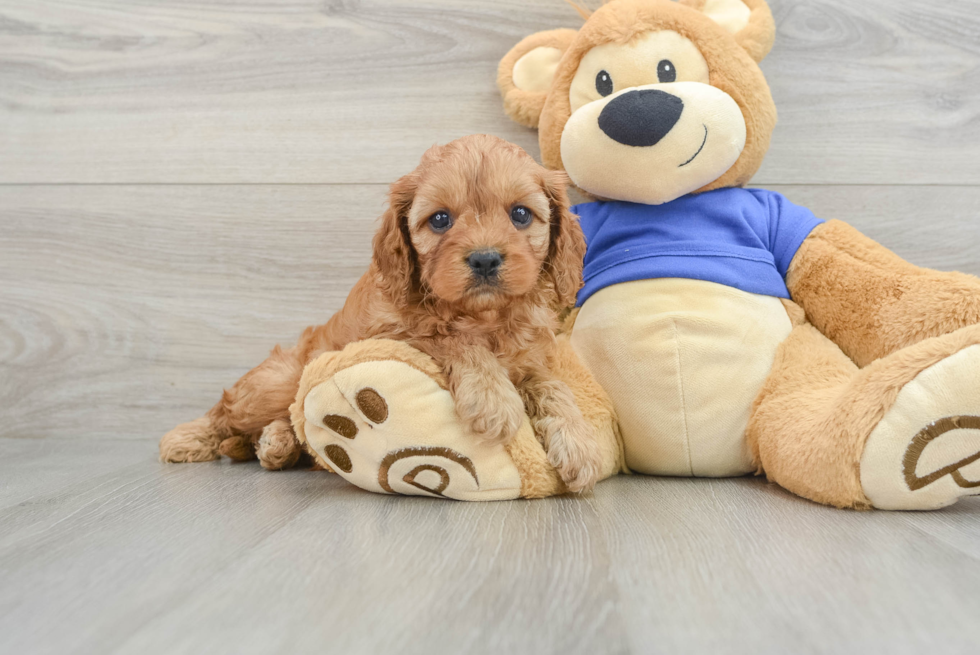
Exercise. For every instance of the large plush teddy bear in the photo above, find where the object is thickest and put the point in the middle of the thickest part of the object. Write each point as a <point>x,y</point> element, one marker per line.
<point>730,331</point>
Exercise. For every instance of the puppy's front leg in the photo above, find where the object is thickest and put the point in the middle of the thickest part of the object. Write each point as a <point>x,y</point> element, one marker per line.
<point>486,400</point>
<point>568,438</point>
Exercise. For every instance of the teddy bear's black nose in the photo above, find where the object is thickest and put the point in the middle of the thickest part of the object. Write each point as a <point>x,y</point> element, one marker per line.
<point>642,117</point>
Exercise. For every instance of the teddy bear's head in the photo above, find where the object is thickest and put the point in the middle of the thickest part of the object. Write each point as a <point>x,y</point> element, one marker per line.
<point>651,99</point>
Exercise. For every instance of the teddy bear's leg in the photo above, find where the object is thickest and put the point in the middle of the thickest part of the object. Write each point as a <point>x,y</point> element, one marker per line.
<point>870,301</point>
<point>379,414</point>
<point>901,433</point>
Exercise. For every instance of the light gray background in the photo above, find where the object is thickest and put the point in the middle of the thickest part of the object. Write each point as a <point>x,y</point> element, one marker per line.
<point>185,183</point>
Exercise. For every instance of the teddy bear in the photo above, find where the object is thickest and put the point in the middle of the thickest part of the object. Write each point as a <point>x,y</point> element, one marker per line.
<point>721,331</point>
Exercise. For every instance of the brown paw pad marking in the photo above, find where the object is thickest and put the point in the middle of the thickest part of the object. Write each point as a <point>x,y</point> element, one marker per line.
<point>341,425</point>
<point>924,437</point>
<point>443,478</point>
<point>372,405</point>
<point>429,451</point>
<point>338,457</point>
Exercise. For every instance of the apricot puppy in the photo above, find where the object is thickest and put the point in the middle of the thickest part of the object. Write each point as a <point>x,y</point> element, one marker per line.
<point>475,255</point>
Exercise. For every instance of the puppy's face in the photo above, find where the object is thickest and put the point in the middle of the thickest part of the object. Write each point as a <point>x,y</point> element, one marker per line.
<point>483,222</point>
<point>480,223</point>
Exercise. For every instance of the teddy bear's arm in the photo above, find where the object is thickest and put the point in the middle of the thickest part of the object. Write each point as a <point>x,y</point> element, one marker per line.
<point>872,302</point>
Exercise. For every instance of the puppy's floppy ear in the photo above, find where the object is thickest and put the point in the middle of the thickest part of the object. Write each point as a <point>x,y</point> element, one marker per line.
<point>525,73</point>
<point>749,21</point>
<point>394,255</point>
<point>567,249</point>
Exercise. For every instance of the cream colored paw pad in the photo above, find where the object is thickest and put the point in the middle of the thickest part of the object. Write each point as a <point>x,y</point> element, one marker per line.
<point>389,428</point>
<point>925,452</point>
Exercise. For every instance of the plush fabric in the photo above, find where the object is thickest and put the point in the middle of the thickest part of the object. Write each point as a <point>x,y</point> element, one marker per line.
<point>378,413</point>
<point>697,129</point>
<point>733,71</point>
<point>870,301</point>
<point>533,72</point>
<point>859,392</point>
<point>813,418</point>
<point>524,105</point>
<point>663,349</point>
<point>741,238</point>
<point>416,446</point>
<point>946,442</point>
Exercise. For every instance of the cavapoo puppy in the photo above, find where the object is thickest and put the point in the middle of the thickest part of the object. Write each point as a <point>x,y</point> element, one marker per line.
<point>476,253</point>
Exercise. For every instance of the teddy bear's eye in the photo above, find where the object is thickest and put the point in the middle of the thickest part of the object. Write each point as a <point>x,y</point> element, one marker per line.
<point>603,83</point>
<point>666,72</point>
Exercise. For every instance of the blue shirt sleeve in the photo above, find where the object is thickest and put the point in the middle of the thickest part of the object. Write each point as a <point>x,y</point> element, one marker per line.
<point>587,218</point>
<point>789,226</point>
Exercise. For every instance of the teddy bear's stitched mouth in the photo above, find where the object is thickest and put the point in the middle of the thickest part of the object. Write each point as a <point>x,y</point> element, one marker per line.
<point>699,149</point>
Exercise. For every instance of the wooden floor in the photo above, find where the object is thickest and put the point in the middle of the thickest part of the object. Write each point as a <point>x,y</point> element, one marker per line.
<point>184,184</point>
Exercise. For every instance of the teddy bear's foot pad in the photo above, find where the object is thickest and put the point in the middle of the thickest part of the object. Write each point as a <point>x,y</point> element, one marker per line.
<point>387,427</point>
<point>925,452</point>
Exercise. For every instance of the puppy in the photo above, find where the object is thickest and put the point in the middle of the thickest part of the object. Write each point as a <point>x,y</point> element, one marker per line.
<point>476,253</point>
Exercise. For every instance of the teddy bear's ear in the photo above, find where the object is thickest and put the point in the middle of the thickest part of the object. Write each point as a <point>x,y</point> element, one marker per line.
<point>525,74</point>
<point>750,21</point>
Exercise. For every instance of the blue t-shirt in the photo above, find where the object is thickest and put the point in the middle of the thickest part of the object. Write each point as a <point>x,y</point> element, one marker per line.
<point>743,238</point>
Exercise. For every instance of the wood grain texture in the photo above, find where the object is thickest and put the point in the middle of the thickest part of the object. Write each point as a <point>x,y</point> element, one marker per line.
<point>127,299</point>
<point>126,309</point>
<point>326,91</point>
<point>231,157</point>
<point>787,575</point>
<point>222,558</point>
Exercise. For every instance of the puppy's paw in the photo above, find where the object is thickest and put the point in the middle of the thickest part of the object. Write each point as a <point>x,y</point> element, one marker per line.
<point>278,448</point>
<point>240,449</point>
<point>494,415</point>
<point>190,442</point>
<point>573,450</point>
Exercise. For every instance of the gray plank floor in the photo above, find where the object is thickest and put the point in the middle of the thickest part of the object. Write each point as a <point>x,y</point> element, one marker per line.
<point>184,184</point>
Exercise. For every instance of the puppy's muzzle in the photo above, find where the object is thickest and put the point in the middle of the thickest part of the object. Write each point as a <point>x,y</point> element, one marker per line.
<point>485,264</point>
<point>641,118</point>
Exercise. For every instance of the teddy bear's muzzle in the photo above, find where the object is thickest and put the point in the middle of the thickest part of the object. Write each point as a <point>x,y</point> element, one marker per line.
<point>652,144</point>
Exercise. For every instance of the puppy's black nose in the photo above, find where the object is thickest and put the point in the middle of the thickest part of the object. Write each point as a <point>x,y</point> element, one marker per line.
<point>641,118</point>
<point>485,263</point>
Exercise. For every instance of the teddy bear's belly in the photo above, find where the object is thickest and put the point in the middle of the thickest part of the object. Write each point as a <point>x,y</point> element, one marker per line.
<point>683,361</point>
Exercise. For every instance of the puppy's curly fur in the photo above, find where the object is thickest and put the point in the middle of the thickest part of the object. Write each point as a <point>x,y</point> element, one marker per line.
<point>490,328</point>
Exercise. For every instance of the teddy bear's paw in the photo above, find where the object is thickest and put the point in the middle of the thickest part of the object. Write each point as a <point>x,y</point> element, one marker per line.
<point>190,442</point>
<point>278,448</point>
<point>925,452</point>
<point>387,427</point>
<point>573,451</point>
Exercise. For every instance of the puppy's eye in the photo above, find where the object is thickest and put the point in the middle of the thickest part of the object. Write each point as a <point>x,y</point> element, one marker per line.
<point>603,83</point>
<point>666,72</point>
<point>521,216</point>
<point>440,222</point>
